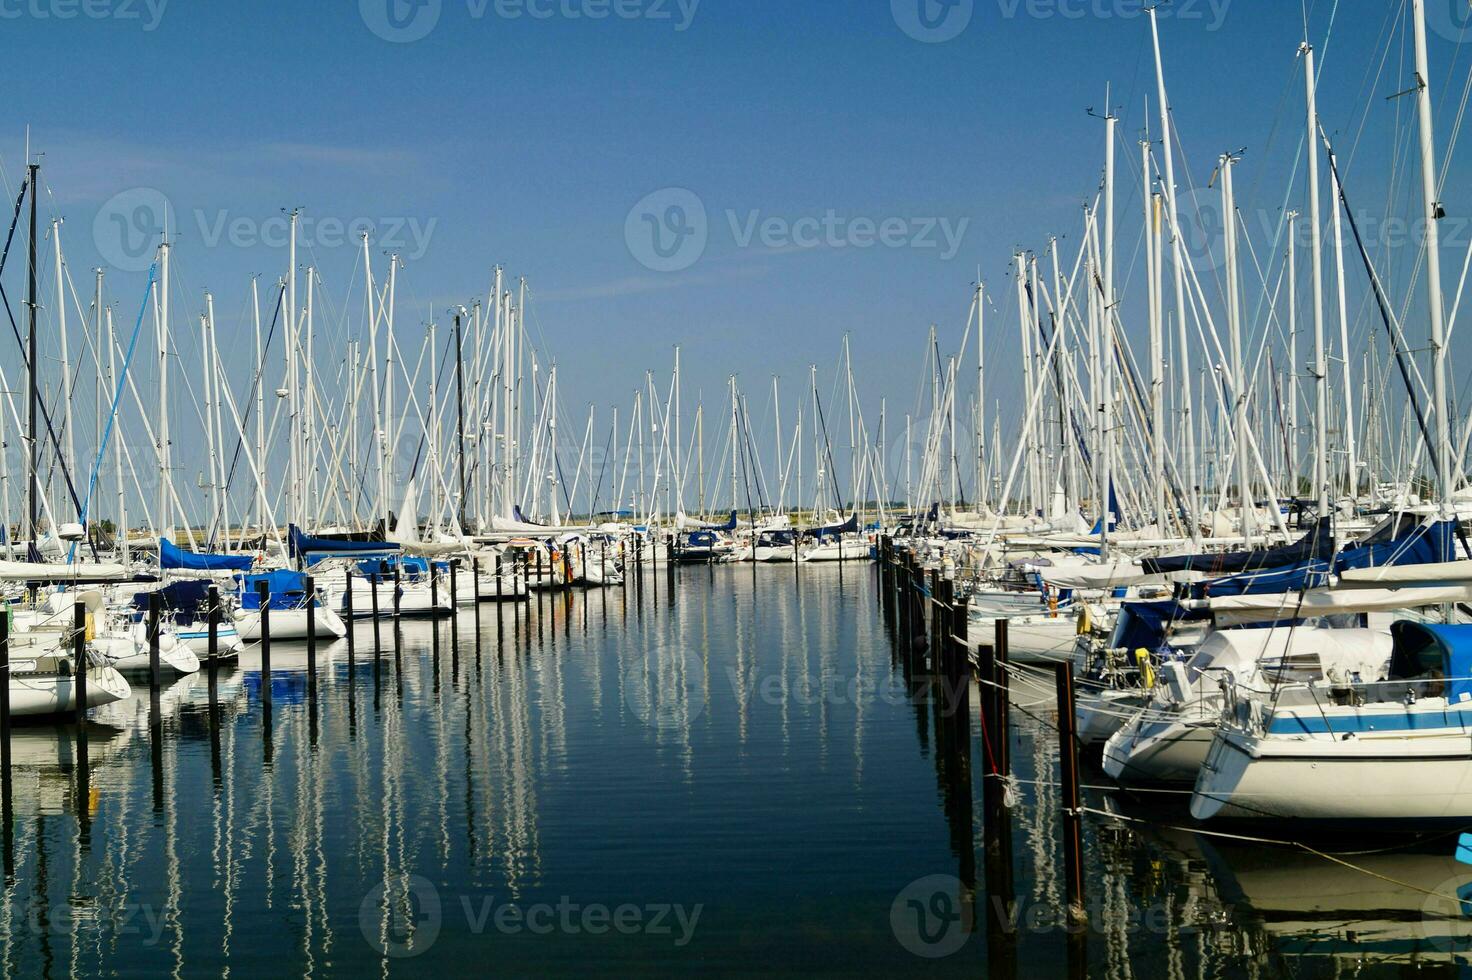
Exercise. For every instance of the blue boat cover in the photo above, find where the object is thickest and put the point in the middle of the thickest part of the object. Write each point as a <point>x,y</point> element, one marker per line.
<point>834,530</point>
<point>190,597</point>
<point>521,518</point>
<point>1423,544</point>
<point>171,556</point>
<point>302,545</point>
<point>1318,543</point>
<point>286,589</point>
<point>1143,625</point>
<point>1443,652</point>
<point>700,539</point>
<point>410,567</point>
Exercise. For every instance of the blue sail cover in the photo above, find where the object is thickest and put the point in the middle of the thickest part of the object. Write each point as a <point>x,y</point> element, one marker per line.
<point>521,518</point>
<point>171,556</point>
<point>410,567</point>
<point>1318,543</point>
<point>190,597</point>
<point>1144,625</point>
<point>285,589</point>
<point>833,530</point>
<point>303,545</point>
<point>1310,574</point>
<point>1425,544</point>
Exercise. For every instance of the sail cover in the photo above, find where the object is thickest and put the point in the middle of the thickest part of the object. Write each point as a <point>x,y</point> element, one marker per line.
<point>171,556</point>
<point>1317,544</point>
<point>833,530</point>
<point>303,545</point>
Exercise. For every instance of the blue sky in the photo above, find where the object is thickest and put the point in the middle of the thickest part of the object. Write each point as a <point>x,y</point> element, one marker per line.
<point>504,137</point>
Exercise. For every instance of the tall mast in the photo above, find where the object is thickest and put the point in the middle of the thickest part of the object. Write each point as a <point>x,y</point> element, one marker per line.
<point>260,394</point>
<point>1153,247</point>
<point>1234,328</point>
<point>97,376</point>
<point>1433,215</point>
<point>117,442</point>
<point>293,422</point>
<point>1292,446</point>
<point>161,308</point>
<point>375,310</point>
<point>68,445</point>
<point>33,469</point>
<point>1351,462</point>
<point>460,413</point>
<point>390,360</point>
<point>1178,259</point>
<point>1106,332</point>
<point>981,494</point>
<point>1320,365</point>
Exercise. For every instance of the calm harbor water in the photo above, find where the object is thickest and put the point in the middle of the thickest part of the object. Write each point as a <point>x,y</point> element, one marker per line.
<point>738,775</point>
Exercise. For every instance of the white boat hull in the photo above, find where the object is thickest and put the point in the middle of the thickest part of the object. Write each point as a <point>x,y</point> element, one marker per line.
<point>36,695</point>
<point>289,624</point>
<point>833,551</point>
<point>1414,777</point>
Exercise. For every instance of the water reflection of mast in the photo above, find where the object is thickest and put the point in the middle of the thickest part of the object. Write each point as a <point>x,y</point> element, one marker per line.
<point>516,816</point>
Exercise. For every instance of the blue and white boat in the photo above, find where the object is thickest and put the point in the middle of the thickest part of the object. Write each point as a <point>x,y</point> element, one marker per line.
<point>1392,750</point>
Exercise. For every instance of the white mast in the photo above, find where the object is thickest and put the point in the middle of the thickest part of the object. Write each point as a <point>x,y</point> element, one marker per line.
<point>1320,365</point>
<point>390,359</point>
<point>1292,353</point>
<point>1433,215</point>
<point>5,488</point>
<point>68,444</point>
<point>981,495</point>
<point>161,331</point>
<point>1351,463</point>
<point>380,448</point>
<point>1178,260</point>
<point>1234,329</point>
<point>117,444</point>
<point>1153,248</point>
<point>260,368</point>
<point>294,495</point>
<point>1106,333</point>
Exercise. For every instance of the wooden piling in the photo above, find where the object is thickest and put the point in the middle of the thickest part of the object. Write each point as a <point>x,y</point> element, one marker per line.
<point>310,587</point>
<point>79,654</point>
<point>263,594</point>
<point>377,636</point>
<point>155,615</point>
<point>1069,802</point>
<point>5,786</point>
<point>347,611</point>
<point>212,651</point>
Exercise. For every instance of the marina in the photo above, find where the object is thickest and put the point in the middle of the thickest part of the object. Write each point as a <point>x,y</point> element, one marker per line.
<point>373,607</point>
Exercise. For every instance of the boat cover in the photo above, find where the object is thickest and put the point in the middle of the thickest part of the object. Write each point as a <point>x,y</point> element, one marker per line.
<point>1426,648</point>
<point>171,556</point>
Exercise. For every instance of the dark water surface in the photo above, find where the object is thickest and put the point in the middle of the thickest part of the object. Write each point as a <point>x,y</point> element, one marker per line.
<point>738,776</point>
